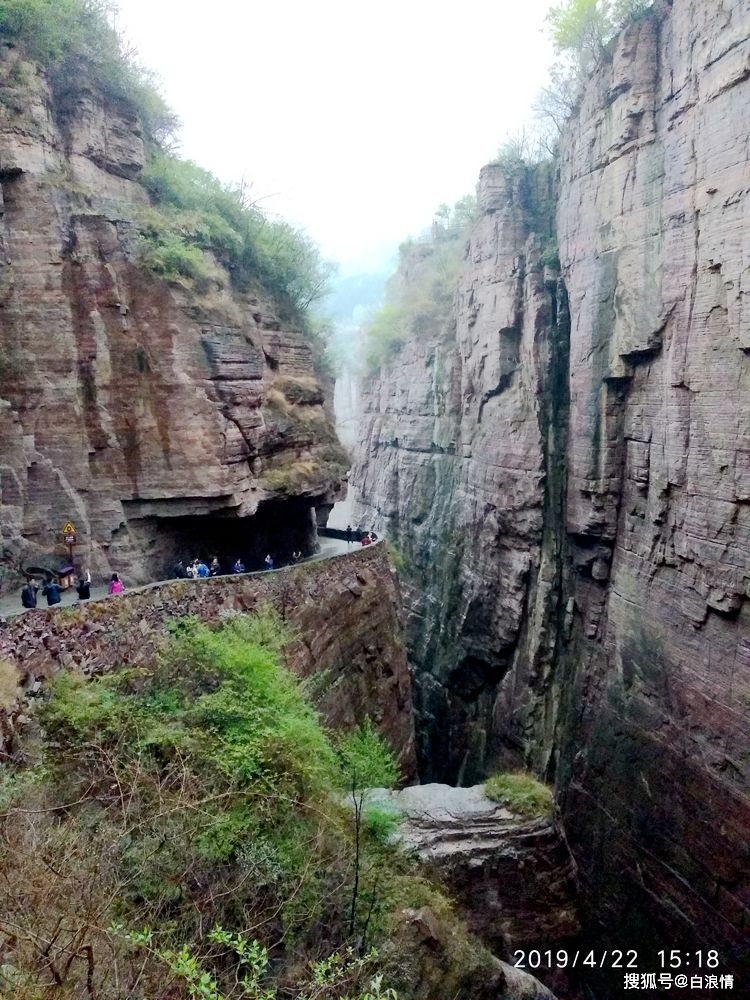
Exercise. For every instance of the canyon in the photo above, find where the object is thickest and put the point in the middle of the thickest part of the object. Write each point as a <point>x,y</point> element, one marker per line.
<point>560,466</point>
<point>563,466</point>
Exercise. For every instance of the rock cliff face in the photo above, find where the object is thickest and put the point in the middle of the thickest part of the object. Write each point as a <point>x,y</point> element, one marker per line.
<point>456,443</point>
<point>570,486</point>
<point>132,407</point>
<point>654,239</point>
<point>512,877</point>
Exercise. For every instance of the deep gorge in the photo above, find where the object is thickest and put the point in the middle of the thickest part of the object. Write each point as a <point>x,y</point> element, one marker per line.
<point>560,467</point>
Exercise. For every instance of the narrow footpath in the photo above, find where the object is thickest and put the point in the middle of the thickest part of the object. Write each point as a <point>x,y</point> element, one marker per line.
<point>10,603</point>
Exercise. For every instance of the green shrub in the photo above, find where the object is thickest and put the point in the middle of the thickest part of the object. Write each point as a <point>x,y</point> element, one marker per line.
<point>166,252</point>
<point>365,760</point>
<point>80,50</point>
<point>204,213</point>
<point>397,557</point>
<point>550,255</point>
<point>521,793</point>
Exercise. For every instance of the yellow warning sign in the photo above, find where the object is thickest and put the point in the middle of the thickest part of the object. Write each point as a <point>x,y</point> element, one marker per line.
<point>69,529</point>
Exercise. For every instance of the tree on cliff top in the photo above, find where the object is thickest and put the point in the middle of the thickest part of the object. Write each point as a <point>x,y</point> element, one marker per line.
<point>584,28</point>
<point>582,32</point>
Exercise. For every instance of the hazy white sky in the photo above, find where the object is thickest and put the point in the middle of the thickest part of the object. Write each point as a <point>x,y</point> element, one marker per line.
<point>356,120</point>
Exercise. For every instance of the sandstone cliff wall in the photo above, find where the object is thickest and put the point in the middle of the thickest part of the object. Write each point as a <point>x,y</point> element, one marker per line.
<point>127,404</point>
<point>456,441</point>
<point>571,489</point>
<point>345,611</point>
<point>652,224</point>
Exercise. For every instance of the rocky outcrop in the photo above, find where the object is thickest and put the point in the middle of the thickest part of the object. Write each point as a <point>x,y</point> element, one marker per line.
<point>434,960</point>
<point>513,878</point>
<point>133,407</point>
<point>344,611</point>
<point>577,527</point>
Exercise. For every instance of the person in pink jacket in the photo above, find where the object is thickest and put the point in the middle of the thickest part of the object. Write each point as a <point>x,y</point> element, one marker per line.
<point>115,585</point>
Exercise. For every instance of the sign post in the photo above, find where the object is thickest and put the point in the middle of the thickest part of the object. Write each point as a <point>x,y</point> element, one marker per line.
<point>69,533</point>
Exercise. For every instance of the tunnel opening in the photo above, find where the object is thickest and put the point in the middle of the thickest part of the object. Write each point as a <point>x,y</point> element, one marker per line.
<point>157,543</point>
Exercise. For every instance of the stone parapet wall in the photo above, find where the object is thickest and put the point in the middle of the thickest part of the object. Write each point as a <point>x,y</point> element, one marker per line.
<point>345,612</point>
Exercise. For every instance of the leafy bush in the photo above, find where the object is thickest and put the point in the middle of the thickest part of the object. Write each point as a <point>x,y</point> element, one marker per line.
<point>365,761</point>
<point>551,255</point>
<point>397,557</point>
<point>80,50</point>
<point>521,793</point>
<point>195,211</point>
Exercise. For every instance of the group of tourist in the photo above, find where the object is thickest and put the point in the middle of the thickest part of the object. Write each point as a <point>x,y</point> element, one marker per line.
<point>366,538</point>
<point>52,590</point>
<point>195,570</point>
<point>198,569</point>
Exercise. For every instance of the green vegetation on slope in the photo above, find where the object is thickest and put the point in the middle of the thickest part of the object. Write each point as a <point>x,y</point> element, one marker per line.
<point>419,297</point>
<point>198,222</point>
<point>81,52</point>
<point>199,799</point>
<point>521,793</point>
<point>199,232</point>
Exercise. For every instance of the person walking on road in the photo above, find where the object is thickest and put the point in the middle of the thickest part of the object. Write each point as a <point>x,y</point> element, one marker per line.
<point>28,594</point>
<point>84,588</point>
<point>115,585</point>
<point>348,534</point>
<point>268,561</point>
<point>51,591</point>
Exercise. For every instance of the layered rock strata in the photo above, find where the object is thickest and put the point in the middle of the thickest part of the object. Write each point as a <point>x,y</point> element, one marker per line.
<point>129,405</point>
<point>457,440</point>
<point>578,528</point>
<point>652,224</point>
<point>513,878</point>
<point>345,612</point>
